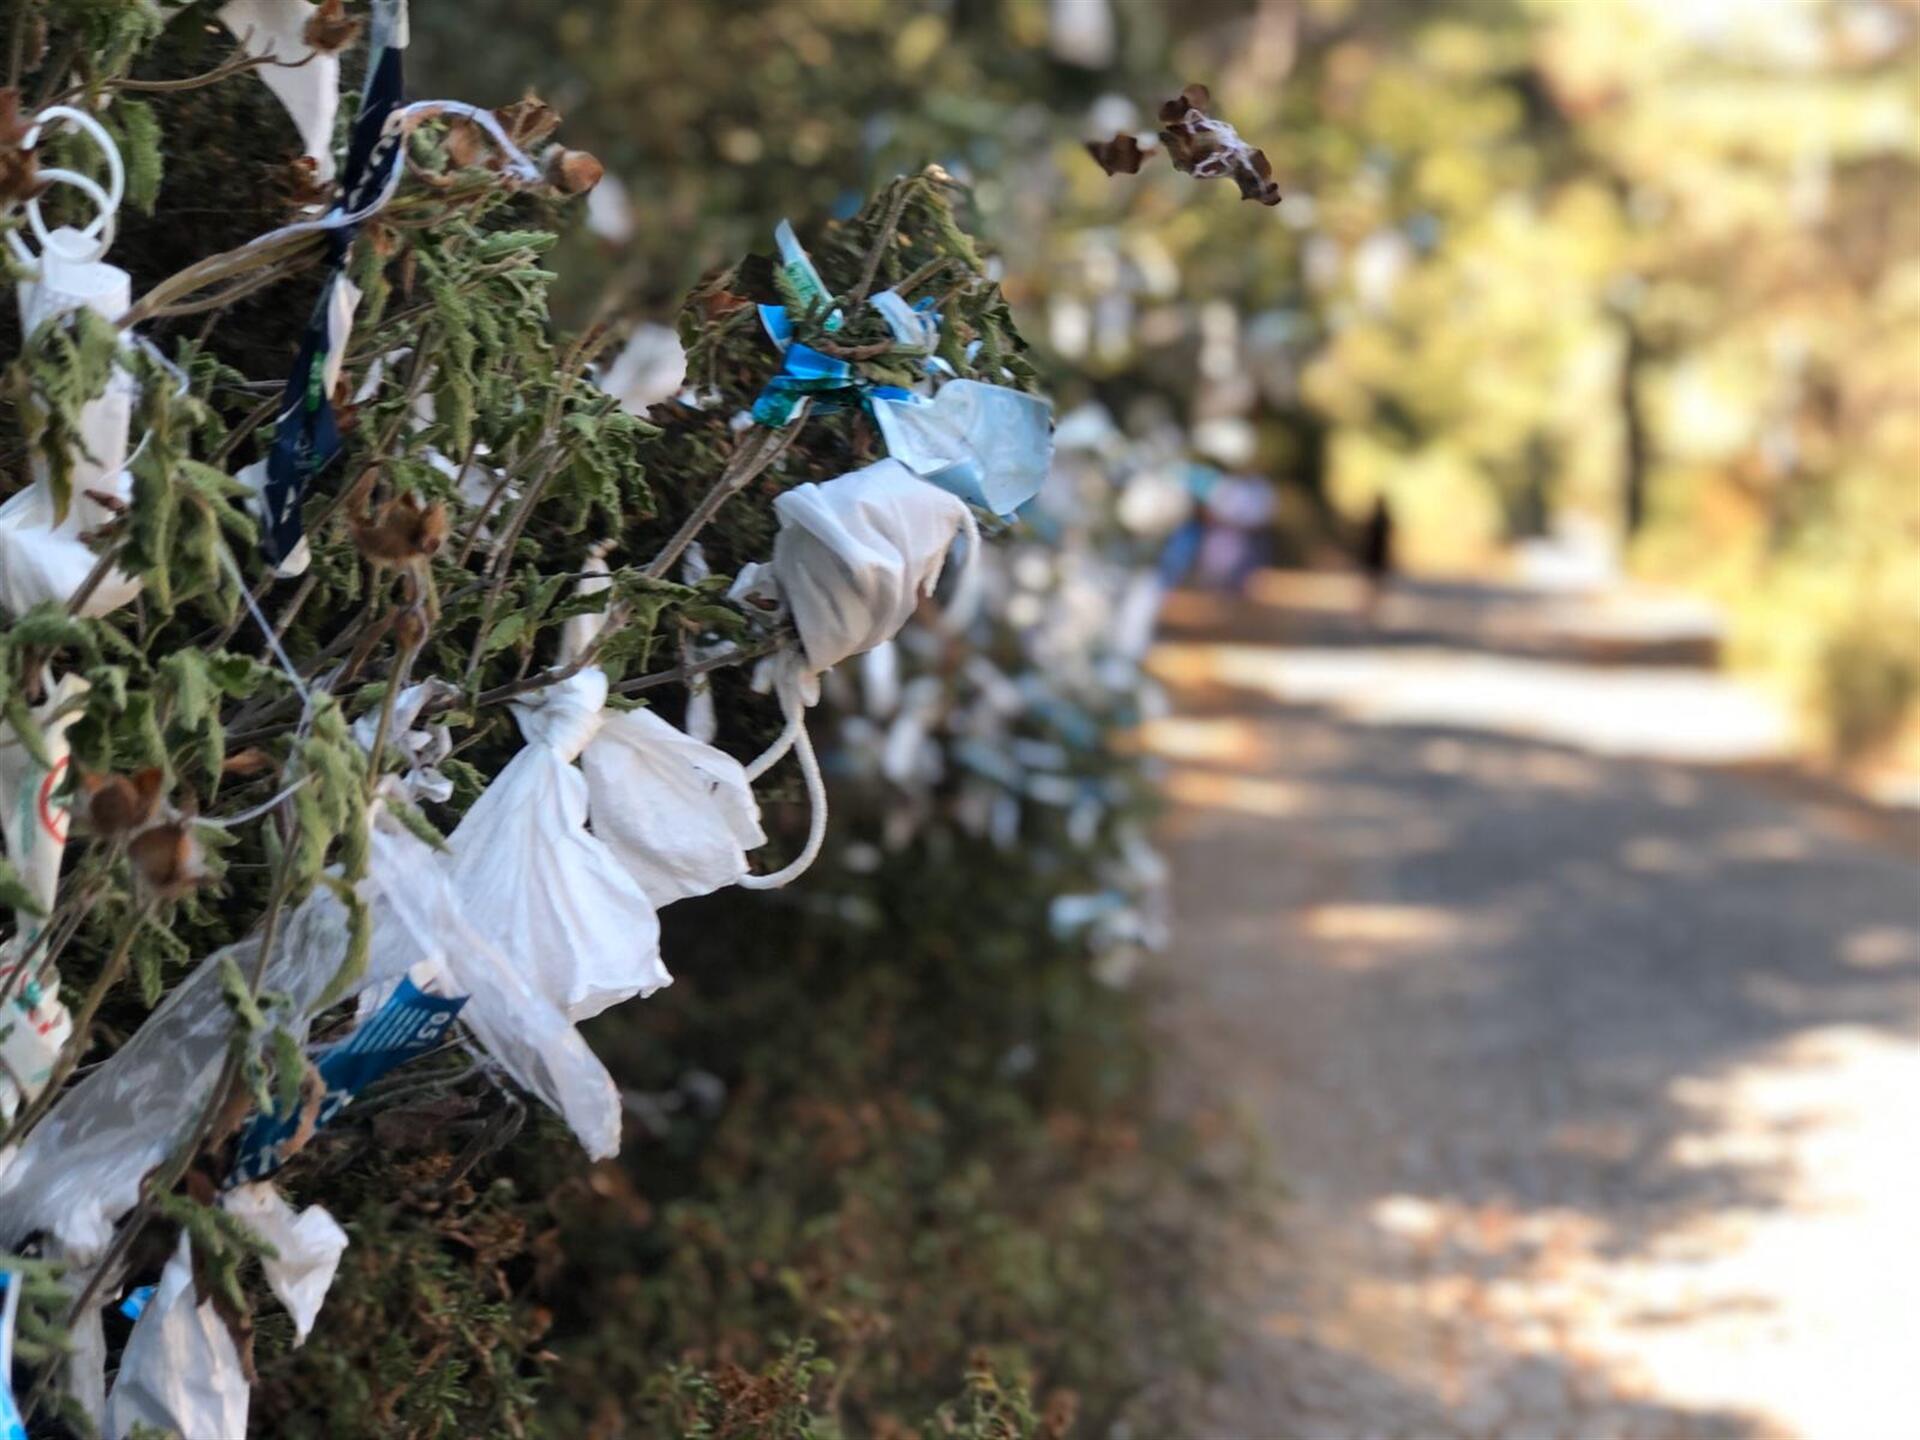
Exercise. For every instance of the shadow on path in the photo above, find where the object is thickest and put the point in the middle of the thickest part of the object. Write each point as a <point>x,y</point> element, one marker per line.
<point>1593,1077</point>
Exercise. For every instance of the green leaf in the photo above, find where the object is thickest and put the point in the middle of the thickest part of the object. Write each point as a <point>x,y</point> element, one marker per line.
<point>14,893</point>
<point>239,996</point>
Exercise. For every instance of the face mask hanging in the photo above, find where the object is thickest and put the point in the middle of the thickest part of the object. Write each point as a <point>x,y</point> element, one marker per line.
<point>42,553</point>
<point>852,561</point>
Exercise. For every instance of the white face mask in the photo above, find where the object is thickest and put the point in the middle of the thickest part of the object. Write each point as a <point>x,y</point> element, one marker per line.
<point>855,556</point>
<point>42,558</point>
<point>306,84</point>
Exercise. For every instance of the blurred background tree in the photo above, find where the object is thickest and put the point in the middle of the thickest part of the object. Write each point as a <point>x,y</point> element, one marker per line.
<point>1640,272</point>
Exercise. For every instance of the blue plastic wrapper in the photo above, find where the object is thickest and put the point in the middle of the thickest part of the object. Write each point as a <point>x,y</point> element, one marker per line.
<point>12,1426</point>
<point>411,1023</point>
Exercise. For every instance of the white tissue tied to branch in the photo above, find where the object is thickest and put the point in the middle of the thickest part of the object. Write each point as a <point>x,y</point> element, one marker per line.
<point>323,694</point>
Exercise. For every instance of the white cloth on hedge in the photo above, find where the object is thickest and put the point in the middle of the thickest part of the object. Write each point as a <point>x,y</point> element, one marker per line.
<point>533,879</point>
<point>306,84</point>
<point>307,1248</point>
<point>180,1373</point>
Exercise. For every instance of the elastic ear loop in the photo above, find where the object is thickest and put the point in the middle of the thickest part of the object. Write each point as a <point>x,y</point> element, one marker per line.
<point>105,221</point>
<point>794,738</point>
<point>100,229</point>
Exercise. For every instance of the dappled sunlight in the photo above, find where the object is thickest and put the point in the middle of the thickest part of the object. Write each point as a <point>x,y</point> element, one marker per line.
<point>1656,713</point>
<point>1212,790</point>
<point>1205,741</point>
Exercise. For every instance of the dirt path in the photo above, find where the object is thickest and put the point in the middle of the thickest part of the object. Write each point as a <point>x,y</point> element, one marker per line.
<point>1594,1075</point>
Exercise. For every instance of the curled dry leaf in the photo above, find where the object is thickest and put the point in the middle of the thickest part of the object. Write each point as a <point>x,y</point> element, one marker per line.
<point>330,29</point>
<point>1199,144</point>
<point>1119,156</point>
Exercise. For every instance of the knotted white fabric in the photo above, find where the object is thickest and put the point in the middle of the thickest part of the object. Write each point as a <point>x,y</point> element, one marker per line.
<point>306,83</point>
<point>509,1008</point>
<point>532,878</point>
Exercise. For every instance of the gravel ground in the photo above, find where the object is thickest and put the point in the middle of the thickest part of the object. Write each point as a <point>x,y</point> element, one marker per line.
<point>1593,1077</point>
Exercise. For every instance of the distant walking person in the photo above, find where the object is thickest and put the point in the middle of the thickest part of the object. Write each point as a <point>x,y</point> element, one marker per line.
<point>1376,556</point>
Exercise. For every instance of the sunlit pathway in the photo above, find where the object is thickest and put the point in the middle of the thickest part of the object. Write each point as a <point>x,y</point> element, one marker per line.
<point>1593,1074</point>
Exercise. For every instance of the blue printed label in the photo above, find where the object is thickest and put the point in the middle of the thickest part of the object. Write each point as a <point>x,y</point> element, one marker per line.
<point>411,1023</point>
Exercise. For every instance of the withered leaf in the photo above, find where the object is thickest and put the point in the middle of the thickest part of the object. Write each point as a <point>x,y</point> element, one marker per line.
<point>1119,156</point>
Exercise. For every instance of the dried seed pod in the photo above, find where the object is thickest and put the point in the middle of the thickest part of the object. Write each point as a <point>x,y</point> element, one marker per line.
<point>166,859</point>
<point>571,172</point>
<point>1199,144</point>
<point>118,805</point>
<point>396,534</point>
<point>19,167</point>
<point>330,29</point>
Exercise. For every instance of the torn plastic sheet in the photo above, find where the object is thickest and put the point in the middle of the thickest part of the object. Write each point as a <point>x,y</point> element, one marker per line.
<point>530,876</point>
<point>79,1170</point>
<point>180,1373</point>
<point>988,444</point>
<point>307,1243</point>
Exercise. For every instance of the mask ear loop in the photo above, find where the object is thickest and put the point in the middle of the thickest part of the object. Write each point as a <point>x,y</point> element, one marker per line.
<point>99,231</point>
<point>802,746</point>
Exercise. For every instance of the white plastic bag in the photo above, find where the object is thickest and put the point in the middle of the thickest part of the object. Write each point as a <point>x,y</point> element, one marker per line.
<point>180,1372</point>
<point>679,814</point>
<point>79,1170</point>
<point>514,1018</point>
<point>532,879</point>
<point>988,444</point>
<point>854,555</point>
<point>34,823</point>
<point>307,1243</point>
<point>306,84</point>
